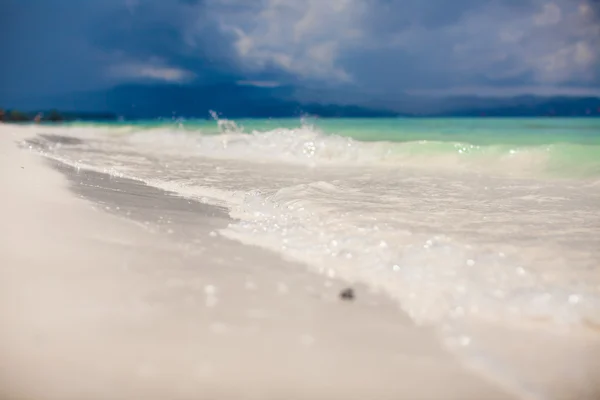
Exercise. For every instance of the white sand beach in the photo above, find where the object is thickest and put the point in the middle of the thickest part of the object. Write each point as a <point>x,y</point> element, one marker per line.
<point>114,289</point>
<point>97,306</point>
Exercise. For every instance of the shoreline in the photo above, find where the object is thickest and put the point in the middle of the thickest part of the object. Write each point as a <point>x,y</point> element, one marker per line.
<point>97,306</point>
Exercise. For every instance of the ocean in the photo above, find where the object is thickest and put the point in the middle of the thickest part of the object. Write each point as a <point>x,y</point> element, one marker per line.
<point>458,220</point>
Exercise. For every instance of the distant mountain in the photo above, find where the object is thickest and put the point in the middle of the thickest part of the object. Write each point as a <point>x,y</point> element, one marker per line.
<point>524,106</point>
<point>229,100</point>
<point>460,105</point>
<point>138,101</point>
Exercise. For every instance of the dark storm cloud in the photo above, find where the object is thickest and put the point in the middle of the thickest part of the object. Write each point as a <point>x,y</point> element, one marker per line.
<point>414,44</point>
<point>42,44</point>
<point>381,45</point>
<point>492,43</point>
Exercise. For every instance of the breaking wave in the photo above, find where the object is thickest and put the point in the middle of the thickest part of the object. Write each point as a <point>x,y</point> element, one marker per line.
<point>307,145</point>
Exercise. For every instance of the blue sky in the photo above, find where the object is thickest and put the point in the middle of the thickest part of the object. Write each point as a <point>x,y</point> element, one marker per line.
<point>433,47</point>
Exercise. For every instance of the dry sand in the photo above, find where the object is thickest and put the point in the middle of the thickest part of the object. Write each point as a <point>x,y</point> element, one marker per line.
<point>114,290</point>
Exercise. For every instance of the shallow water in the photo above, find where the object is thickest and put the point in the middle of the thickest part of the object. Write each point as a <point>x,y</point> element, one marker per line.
<point>458,220</point>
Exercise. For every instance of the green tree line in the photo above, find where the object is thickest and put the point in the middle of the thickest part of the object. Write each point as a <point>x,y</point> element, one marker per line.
<point>21,116</point>
<point>18,116</point>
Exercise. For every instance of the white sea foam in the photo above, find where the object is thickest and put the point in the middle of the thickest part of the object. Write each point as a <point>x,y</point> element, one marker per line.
<point>309,146</point>
<point>446,245</point>
<point>433,275</point>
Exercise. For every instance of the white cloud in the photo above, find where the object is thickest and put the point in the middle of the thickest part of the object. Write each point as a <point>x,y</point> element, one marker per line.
<point>585,9</point>
<point>549,15</point>
<point>566,51</point>
<point>542,42</point>
<point>584,55</point>
<point>563,64</point>
<point>151,71</point>
<point>551,45</point>
<point>302,37</point>
<point>263,84</point>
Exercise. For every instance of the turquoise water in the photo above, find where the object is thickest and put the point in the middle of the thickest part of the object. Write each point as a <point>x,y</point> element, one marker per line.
<point>480,131</point>
<point>565,146</point>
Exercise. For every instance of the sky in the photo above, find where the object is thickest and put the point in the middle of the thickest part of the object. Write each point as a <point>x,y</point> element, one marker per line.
<point>394,47</point>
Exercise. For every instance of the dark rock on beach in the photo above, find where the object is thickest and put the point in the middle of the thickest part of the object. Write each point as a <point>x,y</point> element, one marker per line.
<point>347,294</point>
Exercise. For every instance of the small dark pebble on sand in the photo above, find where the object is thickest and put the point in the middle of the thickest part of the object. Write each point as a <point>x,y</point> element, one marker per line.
<point>347,294</point>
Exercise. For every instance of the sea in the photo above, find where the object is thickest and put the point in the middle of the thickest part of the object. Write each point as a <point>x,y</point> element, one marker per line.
<point>494,220</point>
